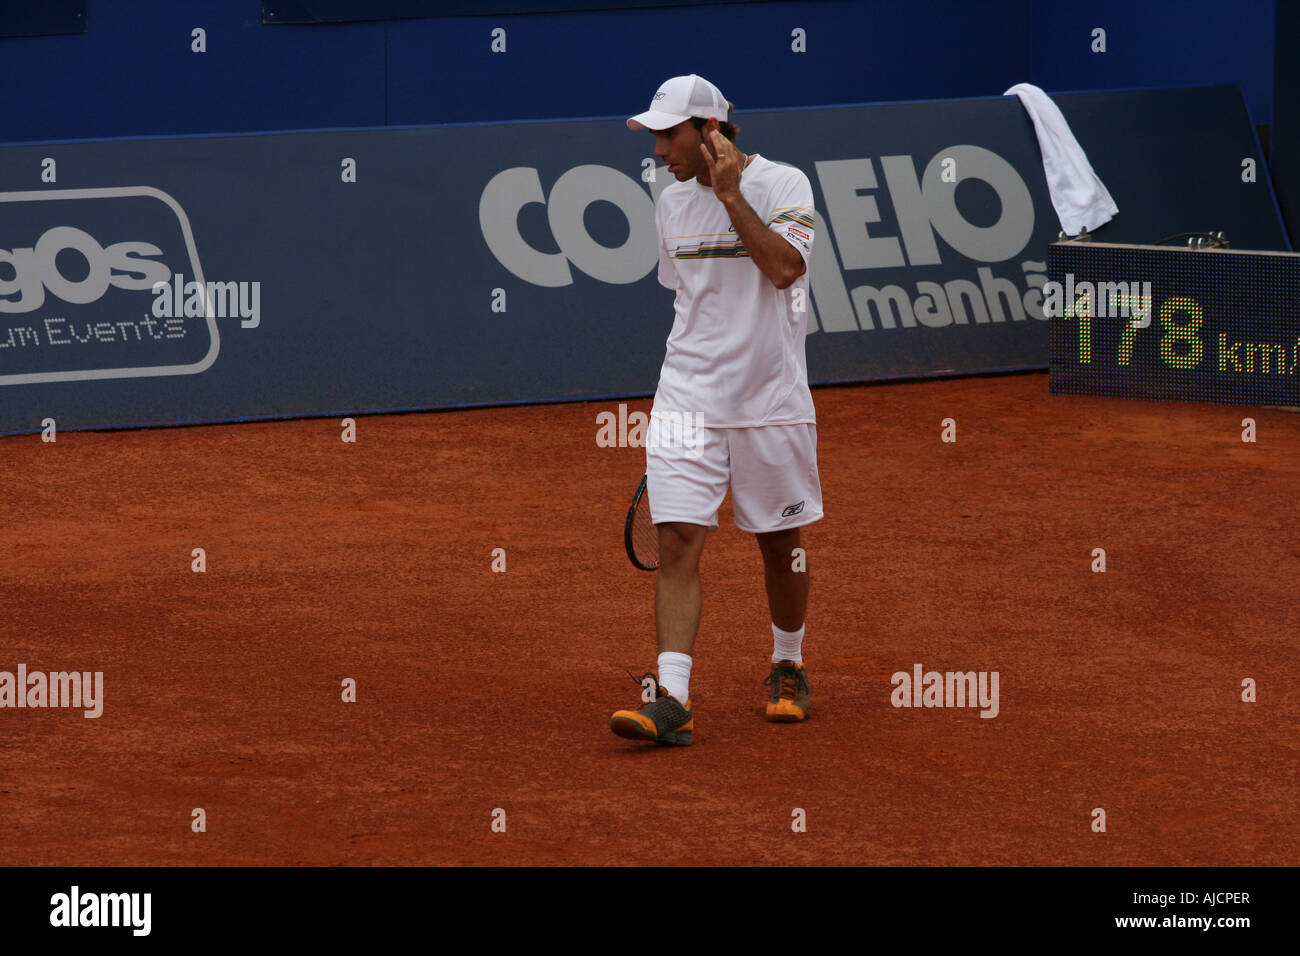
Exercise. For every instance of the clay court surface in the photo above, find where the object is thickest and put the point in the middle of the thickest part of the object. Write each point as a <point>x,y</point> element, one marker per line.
<point>479,690</point>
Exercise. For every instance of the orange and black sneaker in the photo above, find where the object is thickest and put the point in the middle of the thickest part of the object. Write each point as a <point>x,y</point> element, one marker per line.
<point>791,700</point>
<point>664,720</point>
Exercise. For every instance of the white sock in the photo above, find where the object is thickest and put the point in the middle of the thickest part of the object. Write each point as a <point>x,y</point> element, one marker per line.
<point>787,645</point>
<point>675,674</point>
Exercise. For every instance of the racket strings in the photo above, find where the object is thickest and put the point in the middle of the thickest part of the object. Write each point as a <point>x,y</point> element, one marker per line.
<point>645,536</point>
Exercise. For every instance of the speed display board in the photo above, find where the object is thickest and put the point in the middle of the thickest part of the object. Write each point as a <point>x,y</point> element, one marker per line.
<point>1173,323</point>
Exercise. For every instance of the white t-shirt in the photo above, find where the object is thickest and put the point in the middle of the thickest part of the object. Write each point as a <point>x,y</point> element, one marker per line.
<point>735,355</point>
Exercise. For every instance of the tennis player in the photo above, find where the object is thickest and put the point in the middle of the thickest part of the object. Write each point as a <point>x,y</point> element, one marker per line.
<point>736,234</point>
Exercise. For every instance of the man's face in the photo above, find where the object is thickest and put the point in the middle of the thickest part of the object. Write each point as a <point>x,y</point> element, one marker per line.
<point>679,148</point>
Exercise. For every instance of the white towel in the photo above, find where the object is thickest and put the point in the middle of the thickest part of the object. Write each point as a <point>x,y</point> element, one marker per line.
<point>1080,198</point>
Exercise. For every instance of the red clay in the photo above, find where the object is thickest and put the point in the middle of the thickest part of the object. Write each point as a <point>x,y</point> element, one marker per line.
<point>481,690</point>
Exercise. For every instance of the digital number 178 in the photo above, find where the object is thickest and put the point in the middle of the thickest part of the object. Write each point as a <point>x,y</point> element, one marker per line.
<point>1181,319</point>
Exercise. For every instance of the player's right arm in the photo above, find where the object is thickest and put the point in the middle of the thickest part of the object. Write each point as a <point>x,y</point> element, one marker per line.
<point>792,216</point>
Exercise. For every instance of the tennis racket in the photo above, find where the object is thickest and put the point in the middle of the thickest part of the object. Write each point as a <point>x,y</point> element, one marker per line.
<point>640,536</point>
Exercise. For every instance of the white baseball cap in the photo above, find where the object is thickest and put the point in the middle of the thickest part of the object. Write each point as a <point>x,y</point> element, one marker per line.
<point>678,100</point>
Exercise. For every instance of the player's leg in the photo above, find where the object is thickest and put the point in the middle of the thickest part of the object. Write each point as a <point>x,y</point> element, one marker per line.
<point>686,478</point>
<point>678,596</point>
<point>678,599</point>
<point>786,578</point>
<point>686,483</point>
<point>775,491</point>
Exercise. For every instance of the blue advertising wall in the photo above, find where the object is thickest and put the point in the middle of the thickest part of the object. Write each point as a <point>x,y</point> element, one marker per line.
<point>515,262</point>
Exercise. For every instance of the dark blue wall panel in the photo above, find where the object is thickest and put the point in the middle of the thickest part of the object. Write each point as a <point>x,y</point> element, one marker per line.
<point>133,74</point>
<point>1161,44</point>
<point>346,11</point>
<point>608,63</point>
<point>1285,141</point>
<point>41,19</point>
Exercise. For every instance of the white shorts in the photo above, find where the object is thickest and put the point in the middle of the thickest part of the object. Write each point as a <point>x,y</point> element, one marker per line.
<point>771,469</point>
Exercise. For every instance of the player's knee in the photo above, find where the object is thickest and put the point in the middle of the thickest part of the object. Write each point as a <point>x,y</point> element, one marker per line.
<point>778,545</point>
<point>680,544</point>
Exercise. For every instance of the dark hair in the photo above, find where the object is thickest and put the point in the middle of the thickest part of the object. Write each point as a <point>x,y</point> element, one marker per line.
<point>728,130</point>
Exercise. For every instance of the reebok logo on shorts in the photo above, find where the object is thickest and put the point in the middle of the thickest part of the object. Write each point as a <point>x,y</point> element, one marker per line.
<point>792,510</point>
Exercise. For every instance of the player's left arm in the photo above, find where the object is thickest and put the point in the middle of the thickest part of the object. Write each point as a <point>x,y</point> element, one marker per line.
<point>772,253</point>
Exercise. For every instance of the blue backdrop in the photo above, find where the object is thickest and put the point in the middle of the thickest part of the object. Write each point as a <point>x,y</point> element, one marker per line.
<point>133,72</point>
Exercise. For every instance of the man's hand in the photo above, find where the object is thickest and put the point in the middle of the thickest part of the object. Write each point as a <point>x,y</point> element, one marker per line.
<point>775,258</point>
<point>725,162</point>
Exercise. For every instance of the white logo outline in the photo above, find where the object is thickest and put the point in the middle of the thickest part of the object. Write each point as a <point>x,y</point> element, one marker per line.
<point>196,270</point>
